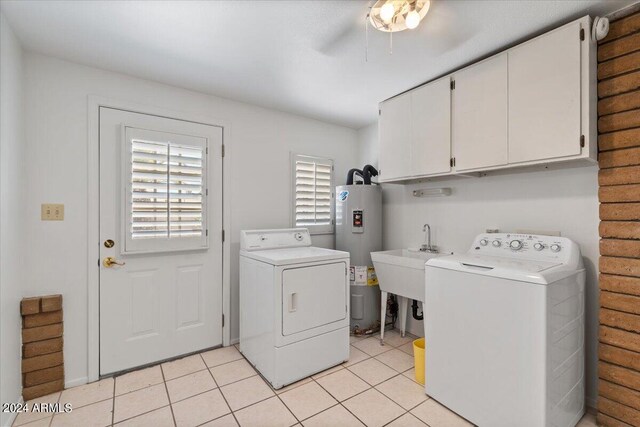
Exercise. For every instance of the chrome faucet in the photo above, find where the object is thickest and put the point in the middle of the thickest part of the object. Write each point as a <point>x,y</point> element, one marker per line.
<point>426,246</point>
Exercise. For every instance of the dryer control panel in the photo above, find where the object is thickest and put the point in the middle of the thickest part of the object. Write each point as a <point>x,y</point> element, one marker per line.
<point>526,246</point>
<point>257,240</point>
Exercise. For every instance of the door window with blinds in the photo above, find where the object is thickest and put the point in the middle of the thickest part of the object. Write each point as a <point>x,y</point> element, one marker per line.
<point>165,191</point>
<point>313,193</point>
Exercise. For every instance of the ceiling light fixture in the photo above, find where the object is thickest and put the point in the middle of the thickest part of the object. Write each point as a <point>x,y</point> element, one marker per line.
<point>413,19</point>
<point>387,11</point>
<point>392,16</point>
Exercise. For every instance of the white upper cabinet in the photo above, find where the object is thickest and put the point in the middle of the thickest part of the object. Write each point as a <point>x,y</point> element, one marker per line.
<point>533,104</point>
<point>431,128</point>
<point>394,130</point>
<point>479,109</point>
<point>544,96</point>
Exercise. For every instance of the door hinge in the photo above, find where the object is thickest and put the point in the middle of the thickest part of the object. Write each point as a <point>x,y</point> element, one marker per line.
<point>581,33</point>
<point>453,84</point>
<point>223,320</point>
<point>581,141</point>
<point>206,150</point>
<point>223,235</point>
<point>379,112</point>
<point>452,162</point>
<point>222,150</point>
<point>206,233</point>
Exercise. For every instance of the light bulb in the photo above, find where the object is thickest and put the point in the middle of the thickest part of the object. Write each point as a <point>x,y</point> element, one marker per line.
<point>387,11</point>
<point>412,20</point>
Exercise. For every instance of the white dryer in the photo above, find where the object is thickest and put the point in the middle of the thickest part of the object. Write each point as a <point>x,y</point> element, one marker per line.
<point>294,311</point>
<point>504,331</point>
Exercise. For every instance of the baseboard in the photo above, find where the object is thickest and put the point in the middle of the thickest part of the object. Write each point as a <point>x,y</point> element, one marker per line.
<point>76,382</point>
<point>7,418</point>
<point>235,341</point>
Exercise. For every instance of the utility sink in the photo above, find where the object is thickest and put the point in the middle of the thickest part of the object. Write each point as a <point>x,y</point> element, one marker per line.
<point>401,271</point>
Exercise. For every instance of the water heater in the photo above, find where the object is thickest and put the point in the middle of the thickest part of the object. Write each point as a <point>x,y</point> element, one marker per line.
<point>359,232</point>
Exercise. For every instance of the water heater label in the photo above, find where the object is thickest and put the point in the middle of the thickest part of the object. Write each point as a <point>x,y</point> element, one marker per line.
<point>372,277</point>
<point>343,196</point>
<point>357,222</point>
<point>360,275</point>
<point>358,219</point>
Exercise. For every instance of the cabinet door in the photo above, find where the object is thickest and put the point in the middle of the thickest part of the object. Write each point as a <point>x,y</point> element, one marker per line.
<point>544,96</point>
<point>395,137</point>
<point>480,115</point>
<point>431,128</point>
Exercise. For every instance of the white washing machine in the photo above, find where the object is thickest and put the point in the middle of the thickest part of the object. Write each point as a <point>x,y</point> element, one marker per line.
<point>504,331</point>
<point>294,311</point>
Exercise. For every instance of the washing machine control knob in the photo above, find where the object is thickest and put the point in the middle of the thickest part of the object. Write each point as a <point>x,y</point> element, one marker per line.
<point>484,242</point>
<point>515,245</point>
<point>496,243</point>
<point>555,248</point>
<point>538,246</point>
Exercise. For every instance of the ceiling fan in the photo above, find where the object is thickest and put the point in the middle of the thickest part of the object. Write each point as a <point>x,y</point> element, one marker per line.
<point>397,15</point>
<point>393,16</point>
<point>436,36</point>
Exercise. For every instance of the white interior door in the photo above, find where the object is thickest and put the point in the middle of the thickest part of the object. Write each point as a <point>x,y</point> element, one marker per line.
<point>480,115</point>
<point>160,225</point>
<point>431,128</point>
<point>544,96</point>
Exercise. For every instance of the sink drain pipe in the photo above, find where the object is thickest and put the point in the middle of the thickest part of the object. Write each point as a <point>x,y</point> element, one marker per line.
<point>414,311</point>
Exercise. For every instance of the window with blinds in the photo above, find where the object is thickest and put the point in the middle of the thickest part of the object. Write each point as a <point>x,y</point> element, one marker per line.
<point>166,196</point>
<point>313,193</point>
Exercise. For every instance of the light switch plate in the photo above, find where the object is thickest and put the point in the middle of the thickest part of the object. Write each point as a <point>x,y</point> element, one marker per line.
<point>52,212</point>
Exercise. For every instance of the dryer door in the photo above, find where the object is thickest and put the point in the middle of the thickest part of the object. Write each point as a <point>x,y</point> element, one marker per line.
<point>313,296</point>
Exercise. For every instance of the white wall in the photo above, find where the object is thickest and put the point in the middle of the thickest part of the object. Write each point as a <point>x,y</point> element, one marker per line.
<point>56,114</point>
<point>563,200</point>
<point>368,146</point>
<point>12,225</point>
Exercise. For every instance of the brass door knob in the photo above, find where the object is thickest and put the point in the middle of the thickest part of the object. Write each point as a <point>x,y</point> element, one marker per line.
<point>111,261</point>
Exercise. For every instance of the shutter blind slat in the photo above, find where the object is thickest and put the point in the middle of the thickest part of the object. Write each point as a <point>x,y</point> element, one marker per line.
<point>185,167</point>
<point>166,190</point>
<point>313,193</point>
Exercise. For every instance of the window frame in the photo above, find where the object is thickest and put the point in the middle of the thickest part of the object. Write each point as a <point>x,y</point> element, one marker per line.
<point>314,229</point>
<point>132,246</point>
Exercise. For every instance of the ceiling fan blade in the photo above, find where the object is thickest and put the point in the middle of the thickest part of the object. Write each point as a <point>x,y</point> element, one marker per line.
<point>349,31</point>
<point>440,32</point>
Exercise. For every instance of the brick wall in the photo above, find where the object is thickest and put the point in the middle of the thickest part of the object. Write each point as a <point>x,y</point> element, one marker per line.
<point>619,180</point>
<point>42,361</point>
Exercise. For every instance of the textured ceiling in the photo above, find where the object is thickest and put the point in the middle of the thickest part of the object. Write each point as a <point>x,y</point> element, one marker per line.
<point>303,57</point>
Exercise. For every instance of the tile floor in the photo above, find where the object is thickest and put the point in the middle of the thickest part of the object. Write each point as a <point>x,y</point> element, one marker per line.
<point>219,388</point>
